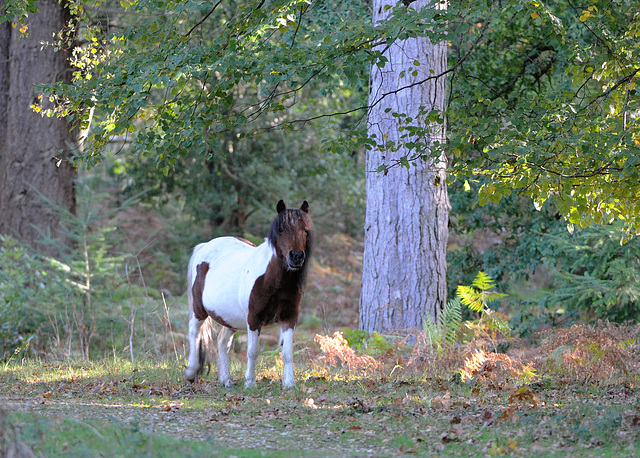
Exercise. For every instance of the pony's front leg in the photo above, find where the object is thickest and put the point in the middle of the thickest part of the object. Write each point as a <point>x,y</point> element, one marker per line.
<point>195,361</point>
<point>253,341</point>
<point>286,342</point>
<point>225,337</point>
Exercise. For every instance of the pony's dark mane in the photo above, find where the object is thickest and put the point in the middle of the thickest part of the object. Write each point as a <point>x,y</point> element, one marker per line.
<point>287,221</point>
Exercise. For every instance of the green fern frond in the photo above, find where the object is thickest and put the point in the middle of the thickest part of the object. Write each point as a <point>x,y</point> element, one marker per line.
<point>432,333</point>
<point>492,296</point>
<point>498,322</point>
<point>452,313</point>
<point>470,297</point>
<point>444,334</point>
<point>477,296</point>
<point>451,320</point>
<point>483,282</point>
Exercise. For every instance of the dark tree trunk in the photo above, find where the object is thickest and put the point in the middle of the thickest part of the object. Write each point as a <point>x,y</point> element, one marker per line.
<point>34,150</point>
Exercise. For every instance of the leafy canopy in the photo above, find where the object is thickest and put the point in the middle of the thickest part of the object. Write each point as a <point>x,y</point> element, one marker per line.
<point>543,98</point>
<point>548,105</point>
<point>173,83</point>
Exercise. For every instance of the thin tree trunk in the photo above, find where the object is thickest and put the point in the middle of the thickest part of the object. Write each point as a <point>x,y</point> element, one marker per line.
<point>404,272</point>
<point>34,150</point>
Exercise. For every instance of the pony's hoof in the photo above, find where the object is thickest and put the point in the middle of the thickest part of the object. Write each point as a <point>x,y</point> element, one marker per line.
<point>227,383</point>
<point>249,383</point>
<point>191,375</point>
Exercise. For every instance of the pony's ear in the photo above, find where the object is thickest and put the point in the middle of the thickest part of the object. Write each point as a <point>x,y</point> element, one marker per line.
<point>305,207</point>
<point>281,206</point>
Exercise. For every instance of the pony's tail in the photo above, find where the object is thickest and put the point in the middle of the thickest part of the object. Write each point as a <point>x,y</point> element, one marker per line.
<point>207,334</point>
<point>206,346</point>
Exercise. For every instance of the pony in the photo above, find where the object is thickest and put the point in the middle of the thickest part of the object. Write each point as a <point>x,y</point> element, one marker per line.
<point>243,286</point>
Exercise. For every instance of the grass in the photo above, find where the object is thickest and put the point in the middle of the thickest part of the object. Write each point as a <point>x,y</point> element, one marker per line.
<point>81,438</point>
<point>116,408</point>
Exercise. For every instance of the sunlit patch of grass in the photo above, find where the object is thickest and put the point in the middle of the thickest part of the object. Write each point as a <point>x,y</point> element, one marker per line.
<point>94,378</point>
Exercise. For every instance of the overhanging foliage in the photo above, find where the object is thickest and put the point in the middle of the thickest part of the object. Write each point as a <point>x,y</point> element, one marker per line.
<point>548,105</point>
<point>543,97</point>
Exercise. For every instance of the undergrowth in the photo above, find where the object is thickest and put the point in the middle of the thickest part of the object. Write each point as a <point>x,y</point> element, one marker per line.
<point>482,350</point>
<point>86,300</point>
<point>602,354</point>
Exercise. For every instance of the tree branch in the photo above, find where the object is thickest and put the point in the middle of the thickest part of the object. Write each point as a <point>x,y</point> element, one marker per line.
<point>382,97</point>
<point>204,18</point>
<point>606,93</point>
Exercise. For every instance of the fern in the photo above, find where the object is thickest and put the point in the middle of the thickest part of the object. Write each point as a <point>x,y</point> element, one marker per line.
<point>496,321</point>
<point>471,298</point>
<point>432,333</point>
<point>451,320</point>
<point>444,334</point>
<point>483,282</point>
<point>477,298</point>
<point>478,295</point>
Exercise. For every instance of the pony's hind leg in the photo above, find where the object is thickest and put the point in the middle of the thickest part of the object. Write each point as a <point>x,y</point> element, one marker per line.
<point>196,357</point>
<point>225,337</point>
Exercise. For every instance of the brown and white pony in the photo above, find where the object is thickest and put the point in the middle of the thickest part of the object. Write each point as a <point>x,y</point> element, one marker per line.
<point>240,285</point>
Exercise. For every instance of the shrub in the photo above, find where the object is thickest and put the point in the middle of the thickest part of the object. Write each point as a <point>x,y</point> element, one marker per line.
<point>597,274</point>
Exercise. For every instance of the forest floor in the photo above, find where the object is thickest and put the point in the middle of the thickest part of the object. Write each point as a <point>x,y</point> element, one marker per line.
<point>114,408</point>
<point>569,391</point>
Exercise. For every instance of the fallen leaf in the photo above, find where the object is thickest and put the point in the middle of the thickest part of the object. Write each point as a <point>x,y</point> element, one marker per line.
<point>446,438</point>
<point>488,417</point>
<point>410,450</point>
<point>525,395</point>
<point>443,402</point>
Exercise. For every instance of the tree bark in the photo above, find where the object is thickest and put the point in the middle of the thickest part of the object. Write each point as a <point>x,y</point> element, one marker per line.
<point>34,150</point>
<point>404,272</point>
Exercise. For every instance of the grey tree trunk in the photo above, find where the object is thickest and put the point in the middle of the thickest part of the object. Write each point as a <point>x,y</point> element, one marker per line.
<point>404,272</point>
<point>34,150</point>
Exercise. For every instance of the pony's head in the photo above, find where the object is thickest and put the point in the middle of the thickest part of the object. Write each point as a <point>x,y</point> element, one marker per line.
<point>291,235</point>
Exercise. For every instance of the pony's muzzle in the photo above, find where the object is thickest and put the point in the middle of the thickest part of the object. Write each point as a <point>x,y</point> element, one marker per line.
<point>296,259</point>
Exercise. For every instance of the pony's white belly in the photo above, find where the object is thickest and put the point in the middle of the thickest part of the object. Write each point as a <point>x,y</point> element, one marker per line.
<point>222,297</point>
<point>233,269</point>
